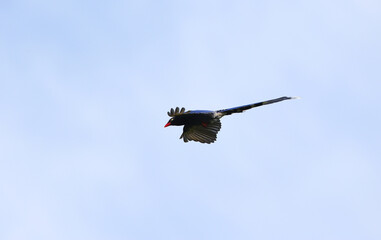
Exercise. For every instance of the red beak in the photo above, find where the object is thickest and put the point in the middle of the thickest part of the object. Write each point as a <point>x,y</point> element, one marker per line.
<point>166,125</point>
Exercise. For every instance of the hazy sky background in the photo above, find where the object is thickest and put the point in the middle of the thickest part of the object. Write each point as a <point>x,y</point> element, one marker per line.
<point>85,87</point>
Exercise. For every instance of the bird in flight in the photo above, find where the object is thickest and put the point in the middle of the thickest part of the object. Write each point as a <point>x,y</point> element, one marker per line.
<point>203,125</point>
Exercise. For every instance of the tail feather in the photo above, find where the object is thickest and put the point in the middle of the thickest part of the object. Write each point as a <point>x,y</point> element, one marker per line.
<point>240,109</point>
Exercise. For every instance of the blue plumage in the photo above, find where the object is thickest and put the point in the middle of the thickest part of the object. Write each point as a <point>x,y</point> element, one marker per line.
<point>203,125</point>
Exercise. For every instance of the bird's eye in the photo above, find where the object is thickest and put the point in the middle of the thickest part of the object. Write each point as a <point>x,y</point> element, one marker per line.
<point>171,119</point>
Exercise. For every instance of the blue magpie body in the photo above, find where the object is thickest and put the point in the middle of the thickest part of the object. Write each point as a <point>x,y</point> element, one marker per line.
<point>203,125</point>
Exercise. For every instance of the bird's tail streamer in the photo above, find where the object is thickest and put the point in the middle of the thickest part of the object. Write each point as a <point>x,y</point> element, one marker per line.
<point>240,109</point>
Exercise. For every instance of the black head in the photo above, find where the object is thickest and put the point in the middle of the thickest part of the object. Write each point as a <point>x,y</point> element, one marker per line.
<point>175,121</point>
<point>174,113</point>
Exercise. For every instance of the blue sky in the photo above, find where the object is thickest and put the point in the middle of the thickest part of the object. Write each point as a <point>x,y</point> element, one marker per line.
<point>85,87</point>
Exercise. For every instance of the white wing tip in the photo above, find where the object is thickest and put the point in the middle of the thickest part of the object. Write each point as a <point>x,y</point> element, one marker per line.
<point>295,97</point>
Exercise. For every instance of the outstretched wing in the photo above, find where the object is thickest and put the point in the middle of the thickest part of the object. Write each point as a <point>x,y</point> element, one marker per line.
<point>203,133</point>
<point>175,112</point>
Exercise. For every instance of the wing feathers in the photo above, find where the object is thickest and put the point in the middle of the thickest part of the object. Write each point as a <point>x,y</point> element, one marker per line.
<point>200,133</point>
<point>174,112</point>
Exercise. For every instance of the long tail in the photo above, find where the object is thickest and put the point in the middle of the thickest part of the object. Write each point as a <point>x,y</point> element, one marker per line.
<point>240,109</point>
